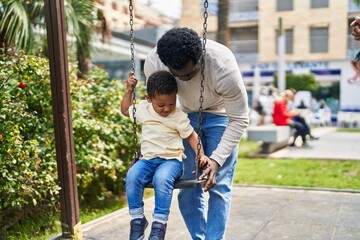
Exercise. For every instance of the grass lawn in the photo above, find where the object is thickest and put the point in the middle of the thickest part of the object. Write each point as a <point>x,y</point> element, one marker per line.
<point>349,130</point>
<point>299,172</point>
<point>338,174</point>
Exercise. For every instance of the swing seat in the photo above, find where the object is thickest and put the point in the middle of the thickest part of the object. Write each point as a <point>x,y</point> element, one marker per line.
<point>181,183</point>
<point>184,183</point>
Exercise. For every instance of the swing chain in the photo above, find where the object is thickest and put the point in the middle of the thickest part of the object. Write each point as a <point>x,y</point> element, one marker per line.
<point>201,98</point>
<point>131,8</point>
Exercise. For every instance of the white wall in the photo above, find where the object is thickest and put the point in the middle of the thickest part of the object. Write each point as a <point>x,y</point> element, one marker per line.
<point>349,92</point>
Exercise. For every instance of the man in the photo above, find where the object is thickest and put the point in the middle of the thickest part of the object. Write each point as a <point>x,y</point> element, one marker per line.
<point>224,121</point>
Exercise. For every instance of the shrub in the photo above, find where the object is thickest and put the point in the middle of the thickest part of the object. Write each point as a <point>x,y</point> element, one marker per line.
<point>103,137</point>
<point>27,166</point>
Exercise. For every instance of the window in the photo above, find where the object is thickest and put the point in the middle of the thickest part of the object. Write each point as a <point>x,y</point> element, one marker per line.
<point>284,5</point>
<point>244,40</point>
<point>289,39</point>
<point>319,40</point>
<point>319,3</point>
<point>244,5</point>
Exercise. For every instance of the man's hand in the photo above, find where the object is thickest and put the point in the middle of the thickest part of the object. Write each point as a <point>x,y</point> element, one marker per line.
<point>355,25</point>
<point>210,171</point>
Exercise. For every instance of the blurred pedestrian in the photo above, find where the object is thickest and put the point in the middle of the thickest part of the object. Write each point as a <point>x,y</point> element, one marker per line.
<point>355,25</point>
<point>282,116</point>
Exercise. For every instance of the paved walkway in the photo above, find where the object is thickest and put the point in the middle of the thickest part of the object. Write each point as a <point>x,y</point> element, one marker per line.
<point>331,145</point>
<point>259,213</point>
<point>270,213</point>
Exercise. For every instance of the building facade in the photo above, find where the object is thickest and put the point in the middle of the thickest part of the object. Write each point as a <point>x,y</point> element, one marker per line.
<point>317,40</point>
<point>317,37</point>
<point>148,25</point>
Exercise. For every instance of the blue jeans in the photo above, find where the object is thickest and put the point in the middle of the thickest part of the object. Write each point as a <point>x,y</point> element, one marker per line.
<point>163,174</point>
<point>208,225</point>
<point>302,129</point>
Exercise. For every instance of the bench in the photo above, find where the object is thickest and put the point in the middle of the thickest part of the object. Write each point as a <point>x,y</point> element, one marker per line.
<point>272,137</point>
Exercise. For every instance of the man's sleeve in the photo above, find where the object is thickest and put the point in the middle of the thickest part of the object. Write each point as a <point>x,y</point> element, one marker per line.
<point>232,89</point>
<point>150,63</point>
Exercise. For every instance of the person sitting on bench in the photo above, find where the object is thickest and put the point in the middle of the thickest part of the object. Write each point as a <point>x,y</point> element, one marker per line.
<point>282,117</point>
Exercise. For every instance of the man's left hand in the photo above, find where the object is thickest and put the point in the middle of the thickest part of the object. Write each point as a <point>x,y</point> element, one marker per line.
<point>210,172</point>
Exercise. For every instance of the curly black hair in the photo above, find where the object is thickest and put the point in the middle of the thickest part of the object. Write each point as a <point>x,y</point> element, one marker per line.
<point>178,46</point>
<point>160,83</point>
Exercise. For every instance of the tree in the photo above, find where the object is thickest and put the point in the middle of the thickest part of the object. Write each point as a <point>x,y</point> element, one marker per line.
<point>86,29</point>
<point>16,22</point>
<point>19,19</point>
<point>305,82</point>
<point>223,34</point>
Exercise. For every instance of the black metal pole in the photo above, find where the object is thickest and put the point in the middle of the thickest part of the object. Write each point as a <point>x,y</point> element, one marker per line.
<point>64,140</point>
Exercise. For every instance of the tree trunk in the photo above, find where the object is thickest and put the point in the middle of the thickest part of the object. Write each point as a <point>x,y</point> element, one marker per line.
<point>223,35</point>
<point>2,40</point>
<point>84,61</point>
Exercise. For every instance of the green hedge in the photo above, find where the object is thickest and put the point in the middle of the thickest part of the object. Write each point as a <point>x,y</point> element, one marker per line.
<point>103,137</point>
<point>305,82</point>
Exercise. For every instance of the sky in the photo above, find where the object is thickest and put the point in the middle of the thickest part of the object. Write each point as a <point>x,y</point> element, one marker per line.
<point>171,8</point>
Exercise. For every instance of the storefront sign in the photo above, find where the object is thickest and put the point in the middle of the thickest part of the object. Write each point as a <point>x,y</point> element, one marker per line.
<point>293,65</point>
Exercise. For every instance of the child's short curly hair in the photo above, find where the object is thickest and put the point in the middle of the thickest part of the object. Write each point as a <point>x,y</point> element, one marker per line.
<point>178,46</point>
<point>161,83</point>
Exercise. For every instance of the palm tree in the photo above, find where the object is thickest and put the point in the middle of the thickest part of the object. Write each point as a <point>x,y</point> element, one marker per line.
<point>223,34</point>
<point>86,22</point>
<point>19,19</point>
<point>357,2</point>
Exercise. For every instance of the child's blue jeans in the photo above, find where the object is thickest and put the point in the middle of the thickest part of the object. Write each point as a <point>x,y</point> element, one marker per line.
<point>162,173</point>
